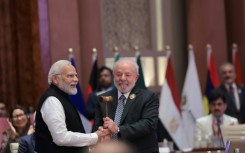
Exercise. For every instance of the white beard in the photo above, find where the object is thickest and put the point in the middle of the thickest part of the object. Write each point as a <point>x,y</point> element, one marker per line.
<point>127,89</point>
<point>67,89</point>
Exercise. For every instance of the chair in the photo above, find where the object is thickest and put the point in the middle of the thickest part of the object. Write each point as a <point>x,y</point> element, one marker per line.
<point>233,132</point>
<point>14,147</point>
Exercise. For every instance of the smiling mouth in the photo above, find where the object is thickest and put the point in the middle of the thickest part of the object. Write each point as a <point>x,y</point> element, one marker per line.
<point>123,85</point>
<point>73,85</point>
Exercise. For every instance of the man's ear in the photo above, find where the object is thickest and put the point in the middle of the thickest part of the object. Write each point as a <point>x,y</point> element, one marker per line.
<point>137,77</point>
<point>55,79</point>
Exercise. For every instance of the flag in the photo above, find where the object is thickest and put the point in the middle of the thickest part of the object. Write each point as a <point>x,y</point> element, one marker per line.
<point>192,107</point>
<point>237,65</point>
<point>93,80</point>
<point>141,81</point>
<point>78,100</point>
<point>212,81</point>
<point>169,109</point>
<point>116,56</point>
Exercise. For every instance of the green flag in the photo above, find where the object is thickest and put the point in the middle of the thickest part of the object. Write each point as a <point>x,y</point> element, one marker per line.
<point>141,81</point>
<point>116,57</point>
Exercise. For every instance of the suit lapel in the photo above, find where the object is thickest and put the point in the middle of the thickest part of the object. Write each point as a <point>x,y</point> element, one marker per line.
<point>131,99</point>
<point>113,106</point>
<point>229,100</point>
<point>209,124</point>
<point>33,140</point>
<point>225,120</point>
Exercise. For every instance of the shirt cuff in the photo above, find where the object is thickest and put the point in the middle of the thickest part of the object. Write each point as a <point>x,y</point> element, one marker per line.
<point>94,137</point>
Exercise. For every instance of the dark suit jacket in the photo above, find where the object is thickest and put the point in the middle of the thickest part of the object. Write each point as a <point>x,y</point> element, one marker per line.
<point>26,144</point>
<point>139,119</point>
<point>92,99</point>
<point>231,107</point>
<point>90,108</point>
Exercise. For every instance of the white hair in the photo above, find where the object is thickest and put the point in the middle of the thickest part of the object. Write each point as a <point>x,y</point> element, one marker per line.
<point>127,60</point>
<point>56,68</point>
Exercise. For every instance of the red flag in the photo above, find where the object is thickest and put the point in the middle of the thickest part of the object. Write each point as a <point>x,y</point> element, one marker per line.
<point>172,84</point>
<point>237,65</point>
<point>211,68</point>
<point>212,81</point>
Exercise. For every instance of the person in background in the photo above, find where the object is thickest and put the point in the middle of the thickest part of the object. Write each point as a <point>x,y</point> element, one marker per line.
<point>105,84</point>
<point>133,113</point>
<point>19,126</point>
<point>208,127</point>
<point>58,124</point>
<point>235,94</point>
<point>3,109</point>
<point>27,142</point>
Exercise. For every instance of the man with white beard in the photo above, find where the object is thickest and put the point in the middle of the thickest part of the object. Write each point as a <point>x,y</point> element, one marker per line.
<point>58,125</point>
<point>133,113</point>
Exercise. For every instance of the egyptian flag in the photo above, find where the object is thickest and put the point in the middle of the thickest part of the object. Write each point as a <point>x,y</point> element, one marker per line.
<point>170,110</point>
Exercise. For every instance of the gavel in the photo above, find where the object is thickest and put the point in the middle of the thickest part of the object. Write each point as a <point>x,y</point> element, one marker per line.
<point>106,99</point>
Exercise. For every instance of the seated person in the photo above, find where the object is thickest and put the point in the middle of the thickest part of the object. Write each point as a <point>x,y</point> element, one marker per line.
<point>105,84</point>
<point>208,127</point>
<point>19,126</point>
<point>27,142</point>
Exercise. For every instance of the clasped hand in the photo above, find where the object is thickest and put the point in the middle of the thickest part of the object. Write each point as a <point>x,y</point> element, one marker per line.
<point>109,127</point>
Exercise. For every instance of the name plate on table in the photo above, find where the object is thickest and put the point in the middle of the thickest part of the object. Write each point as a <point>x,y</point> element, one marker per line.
<point>164,150</point>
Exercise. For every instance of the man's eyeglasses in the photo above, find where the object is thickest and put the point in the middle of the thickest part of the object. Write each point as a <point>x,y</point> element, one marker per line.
<point>70,76</point>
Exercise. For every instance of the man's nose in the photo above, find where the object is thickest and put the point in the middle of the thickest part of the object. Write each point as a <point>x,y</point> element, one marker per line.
<point>216,106</point>
<point>76,79</point>
<point>123,77</point>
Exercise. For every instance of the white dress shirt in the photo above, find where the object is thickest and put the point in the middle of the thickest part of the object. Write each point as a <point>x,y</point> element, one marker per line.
<point>126,96</point>
<point>54,116</point>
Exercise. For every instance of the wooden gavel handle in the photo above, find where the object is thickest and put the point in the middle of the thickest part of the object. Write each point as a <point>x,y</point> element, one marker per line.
<point>106,99</point>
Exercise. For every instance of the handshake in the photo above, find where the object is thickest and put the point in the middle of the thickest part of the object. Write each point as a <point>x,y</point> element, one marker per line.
<point>109,127</point>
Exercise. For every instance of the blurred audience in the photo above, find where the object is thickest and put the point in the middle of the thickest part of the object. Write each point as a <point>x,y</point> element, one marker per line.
<point>19,126</point>
<point>3,109</point>
<point>208,127</point>
<point>235,94</point>
<point>105,84</point>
